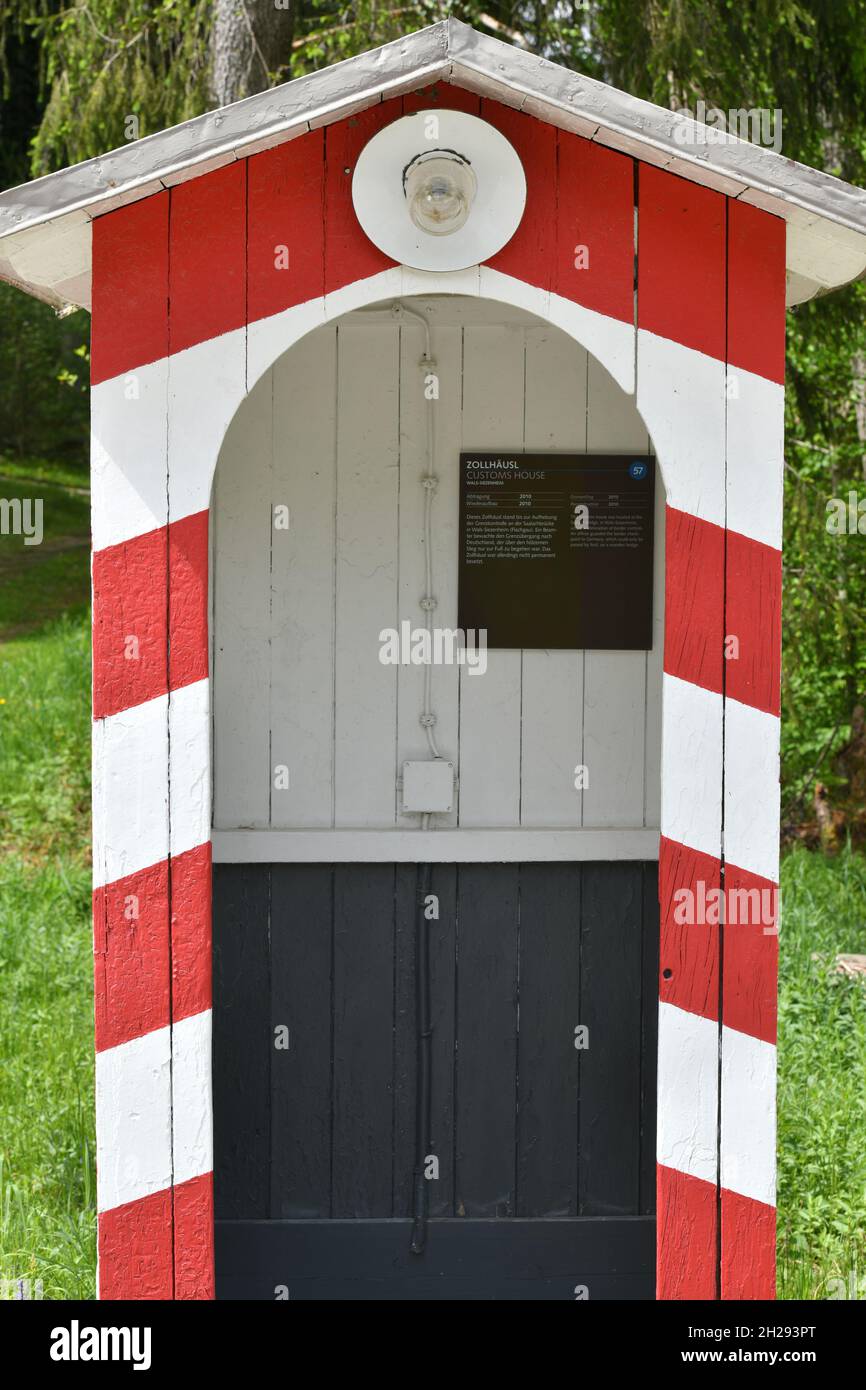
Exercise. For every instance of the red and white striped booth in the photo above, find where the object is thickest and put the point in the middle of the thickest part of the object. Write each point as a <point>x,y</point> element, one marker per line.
<point>684,305</point>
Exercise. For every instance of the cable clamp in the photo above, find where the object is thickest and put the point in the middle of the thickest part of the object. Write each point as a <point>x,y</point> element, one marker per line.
<point>428,605</point>
<point>430,482</point>
<point>427,721</point>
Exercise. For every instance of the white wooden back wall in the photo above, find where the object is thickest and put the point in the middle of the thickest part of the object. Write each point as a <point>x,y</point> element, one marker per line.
<point>336,432</point>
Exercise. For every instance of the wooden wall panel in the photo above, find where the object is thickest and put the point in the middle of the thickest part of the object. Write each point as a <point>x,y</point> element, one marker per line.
<point>242,590</point>
<point>302,583</point>
<point>365,691</point>
<point>493,417</point>
<point>337,433</point>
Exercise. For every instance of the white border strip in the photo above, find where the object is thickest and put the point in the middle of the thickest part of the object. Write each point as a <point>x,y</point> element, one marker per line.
<point>688,1088</point>
<point>432,846</point>
<point>748,1116</point>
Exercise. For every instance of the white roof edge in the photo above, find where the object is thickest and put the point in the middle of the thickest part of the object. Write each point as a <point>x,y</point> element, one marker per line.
<point>43,223</point>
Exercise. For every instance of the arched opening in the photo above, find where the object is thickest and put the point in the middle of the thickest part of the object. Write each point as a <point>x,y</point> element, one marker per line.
<point>543,946</point>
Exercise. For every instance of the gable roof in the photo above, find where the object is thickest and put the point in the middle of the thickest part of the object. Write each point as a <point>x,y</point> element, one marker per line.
<point>44,225</point>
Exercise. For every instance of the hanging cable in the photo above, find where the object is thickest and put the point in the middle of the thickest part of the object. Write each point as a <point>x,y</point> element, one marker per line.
<point>427,718</point>
<point>429,482</point>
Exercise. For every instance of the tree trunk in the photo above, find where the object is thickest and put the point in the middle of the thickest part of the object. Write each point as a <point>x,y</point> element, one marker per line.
<point>250,45</point>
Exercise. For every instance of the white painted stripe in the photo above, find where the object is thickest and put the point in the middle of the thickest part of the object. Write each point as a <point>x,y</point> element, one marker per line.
<point>128,454</point>
<point>752,789</point>
<point>192,1108</point>
<point>688,1075</point>
<point>268,339</point>
<point>206,384</point>
<point>748,1148</point>
<point>681,396</point>
<point>130,790</point>
<point>756,459</point>
<point>190,754</point>
<point>434,846</point>
<point>691,810</point>
<point>386,284</point>
<point>133,1119</point>
<point>131,781</point>
<point>610,340</point>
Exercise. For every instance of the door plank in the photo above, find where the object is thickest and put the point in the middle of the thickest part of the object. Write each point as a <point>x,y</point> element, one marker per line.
<point>241,1041</point>
<point>486,1045</point>
<point>363,1040</point>
<point>301,982</point>
<point>610,990</point>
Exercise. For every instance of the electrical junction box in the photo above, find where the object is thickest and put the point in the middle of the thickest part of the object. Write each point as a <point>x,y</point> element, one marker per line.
<point>428,786</point>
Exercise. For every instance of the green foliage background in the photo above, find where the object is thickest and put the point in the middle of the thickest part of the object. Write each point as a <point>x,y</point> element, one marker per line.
<point>74,73</point>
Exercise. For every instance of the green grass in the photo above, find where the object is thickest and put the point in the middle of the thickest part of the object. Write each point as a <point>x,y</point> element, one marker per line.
<point>47,1200</point>
<point>822,1076</point>
<point>39,582</point>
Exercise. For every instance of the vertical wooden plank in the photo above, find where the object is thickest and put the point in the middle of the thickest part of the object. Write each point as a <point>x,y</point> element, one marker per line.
<point>285,226</point>
<point>349,254</point>
<point>130,311</point>
<point>595,227</point>
<point>446,347</point>
<point>614,716</point>
<point>302,581</point>
<point>529,254</point>
<point>241,672</point>
<point>363,1004</point>
<point>301,971</point>
<point>610,994</point>
<point>441,946</point>
<point>365,690</point>
<point>552,699</point>
<point>493,401</point>
<point>547,1063</point>
<point>207,263</point>
<point>649,1038</point>
<point>486,1043</point>
<point>242,1044</point>
<point>654,667</point>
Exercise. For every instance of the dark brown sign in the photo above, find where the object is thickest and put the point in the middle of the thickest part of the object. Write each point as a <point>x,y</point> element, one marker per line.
<point>556,550</point>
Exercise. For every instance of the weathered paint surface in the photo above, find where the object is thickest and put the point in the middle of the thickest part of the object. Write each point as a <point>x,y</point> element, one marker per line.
<point>159,422</point>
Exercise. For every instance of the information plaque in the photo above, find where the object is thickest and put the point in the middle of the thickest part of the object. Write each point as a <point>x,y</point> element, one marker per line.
<point>556,550</point>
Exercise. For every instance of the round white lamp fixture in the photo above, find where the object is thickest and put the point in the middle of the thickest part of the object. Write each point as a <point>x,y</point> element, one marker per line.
<point>439,190</point>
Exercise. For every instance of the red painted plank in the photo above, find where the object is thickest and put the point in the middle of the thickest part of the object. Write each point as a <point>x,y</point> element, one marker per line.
<point>207,270</point>
<point>129,325</point>
<point>349,255</point>
<point>135,1249</point>
<point>529,255</point>
<point>756,291</point>
<point>188,589</point>
<point>131,956</point>
<point>191,932</point>
<point>130,605</point>
<point>694,599</point>
<point>687,1230</point>
<point>595,227</point>
<point>130,651</point>
<point>444,95</point>
<point>285,234</point>
<point>193,1239</point>
<point>751,954</point>
<point>689,949</point>
<point>681,261</point>
<point>753,614</point>
<point>748,1248</point>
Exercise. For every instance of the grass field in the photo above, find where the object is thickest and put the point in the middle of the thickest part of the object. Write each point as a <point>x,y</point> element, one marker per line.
<point>47,1222</point>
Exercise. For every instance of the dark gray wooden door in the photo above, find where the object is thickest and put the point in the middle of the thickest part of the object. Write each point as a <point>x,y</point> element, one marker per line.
<point>546,1152</point>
